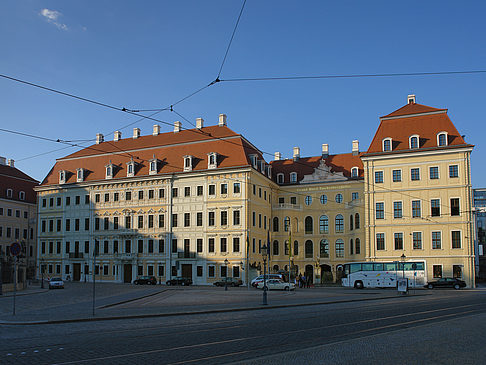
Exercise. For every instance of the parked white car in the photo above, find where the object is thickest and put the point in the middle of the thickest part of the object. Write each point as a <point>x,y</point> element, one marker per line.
<point>275,284</point>
<point>259,278</point>
<point>56,283</point>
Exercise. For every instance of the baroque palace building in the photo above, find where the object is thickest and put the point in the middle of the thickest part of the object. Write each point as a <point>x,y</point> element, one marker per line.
<point>201,203</point>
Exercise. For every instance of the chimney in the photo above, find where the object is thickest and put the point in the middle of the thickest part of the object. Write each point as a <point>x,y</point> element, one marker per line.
<point>117,136</point>
<point>156,130</point>
<point>222,120</point>
<point>278,156</point>
<point>411,99</point>
<point>355,147</point>
<point>136,133</point>
<point>2,161</point>
<point>99,138</point>
<point>177,127</point>
<point>325,150</point>
<point>199,123</point>
<point>296,153</point>
<point>11,162</point>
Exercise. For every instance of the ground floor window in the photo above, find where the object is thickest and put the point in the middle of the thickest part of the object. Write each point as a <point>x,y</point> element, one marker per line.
<point>199,271</point>
<point>437,271</point>
<point>150,270</point>
<point>457,271</point>
<point>174,270</point>
<point>224,271</point>
<point>211,271</point>
<point>140,270</point>
<point>58,269</point>
<point>161,270</point>
<point>105,270</point>
<point>66,269</point>
<point>236,271</point>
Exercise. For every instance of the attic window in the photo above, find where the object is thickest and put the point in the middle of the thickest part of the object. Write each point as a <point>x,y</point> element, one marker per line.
<point>109,171</point>
<point>254,161</point>
<point>442,139</point>
<point>22,195</point>
<point>131,168</point>
<point>153,165</point>
<point>9,193</point>
<point>414,141</point>
<point>269,172</point>
<point>293,177</point>
<point>62,177</point>
<point>354,172</point>
<point>80,175</point>
<point>188,163</point>
<point>387,144</point>
<point>212,160</point>
<point>280,178</point>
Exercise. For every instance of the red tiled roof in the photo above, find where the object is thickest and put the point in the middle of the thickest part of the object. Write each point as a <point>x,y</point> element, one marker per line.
<point>13,178</point>
<point>168,148</point>
<point>406,124</point>
<point>306,166</point>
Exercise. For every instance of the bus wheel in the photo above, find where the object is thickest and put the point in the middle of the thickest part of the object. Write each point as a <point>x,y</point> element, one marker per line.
<point>358,284</point>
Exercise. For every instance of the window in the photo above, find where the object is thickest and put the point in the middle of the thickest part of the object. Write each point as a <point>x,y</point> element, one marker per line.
<point>436,240</point>
<point>174,245</point>
<point>339,224</point>
<point>351,222</point>
<point>97,198</point>
<point>150,221</point>
<point>455,206</point>
<point>417,240</point>
<point>174,220</point>
<point>161,246</point>
<point>128,246</point>
<point>378,177</point>
<point>442,139</point>
<point>211,271</point>
<point>437,271</point>
<point>415,174</point>
<point>339,198</point>
<point>128,222</point>
<point>130,168</point>
<point>309,225</point>
<point>324,248</point>
<point>434,172</point>
<point>414,142</point>
<point>161,220</point>
<point>86,199</point>
<point>416,211</point>
<point>280,178</point>
<point>356,221</point>
<point>387,144</point>
<point>236,244</point>
<point>308,200</point>
<point>140,221</point>
<point>309,249</point>
<point>275,224</point>
<point>457,271</point>
<point>224,189</point>
<point>296,248</point>
<point>236,188</point>
<point>398,241</point>
<point>212,189</point>
<point>380,241</point>
<point>128,195</point>
<point>236,217</point>
<point>435,207</point>
<point>224,218</point>
<point>323,224</point>
<point>199,219</point>
<point>323,199</point>
<point>397,175</point>
<point>456,239</point>
<point>293,177</point>
<point>223,244</point>
<point>358,246</point>
<point>187,163</point>
<point>187,191</point>
<point>211,219</point>
<point>187,219</point>
<point>453,171</point>
<point>397,210</point>
<point>211,245</point>
<point>293,200</point>
<point>212,160</point>
<point>354,172</point>
<point>161,193</point>
<point>380,210</point>
<point>351,247</point>
<point>286,224</point>
<point>339,248</point>
<point>175,192</point>
<point>199,245</point>
<point>354,195</point>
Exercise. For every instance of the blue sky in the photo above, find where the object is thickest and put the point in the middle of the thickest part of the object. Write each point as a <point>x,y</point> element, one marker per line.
<point>144,55</point>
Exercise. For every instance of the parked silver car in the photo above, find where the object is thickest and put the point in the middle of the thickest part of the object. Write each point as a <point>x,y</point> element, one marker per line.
<point>56,283</point>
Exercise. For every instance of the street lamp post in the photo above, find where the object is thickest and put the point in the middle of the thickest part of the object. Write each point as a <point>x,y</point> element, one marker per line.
<point>403,257</point>
<point>226,262</point>
<point>42,273</point>
<point>264,256</point>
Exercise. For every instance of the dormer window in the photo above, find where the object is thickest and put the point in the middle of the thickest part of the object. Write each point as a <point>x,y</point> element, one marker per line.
<point>109,171</point>
<point>254,161</point>
<point>9,193</point>
<point>269,172</point>
<point>442,139</point>
<point>413,141</point>
<point>62,177</point>
<point>293,177</point>
<point>153,165</point>
<point>131,168</point>
<point>188,163</point>
<point>262,167</point>
<point>212,160</point>
<point>387,144</point>
<point>79,175</point>
<point>280,178</point>
<point>354,172</point>
<point>22,195</point>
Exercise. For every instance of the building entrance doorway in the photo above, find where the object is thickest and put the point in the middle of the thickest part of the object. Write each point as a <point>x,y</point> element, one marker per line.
<point>127,273</point>
<point>326,274</point>
<point>309,274</point>
<point>187,271</point>
<point>76,272</point>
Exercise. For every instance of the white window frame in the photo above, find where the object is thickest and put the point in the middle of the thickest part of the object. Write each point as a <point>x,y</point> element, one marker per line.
<point>438,173</point>
<point>401,175</point>
<point>397,201</point>
<point>22,195</point>
<point>420,173</point>
<point>154,162</point>
<point>131,164</point>
<point>62,177</point>
<point>355,171</point>
<point>449,171</point>
<point>382,175</point>
<point>421,240</point>
<point>403,241</point>
<point>383,144</point>
<point>376,241</point>
<point>212,164</point>
<point>293,177</point>
<point>446,138</point>
<point>410,141</point>
<point>80,174</point>
<point>432,240</point>
<point>109,173</point>
<point>460,235</point>
<point>188,163</point>
<point>280,178</point>
<point>384,208</point>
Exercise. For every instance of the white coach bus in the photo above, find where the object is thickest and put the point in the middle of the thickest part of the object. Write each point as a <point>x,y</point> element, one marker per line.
<point>383,274</point>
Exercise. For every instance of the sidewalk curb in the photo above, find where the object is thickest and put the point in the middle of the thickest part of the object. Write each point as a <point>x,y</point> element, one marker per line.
<point>211,311</point>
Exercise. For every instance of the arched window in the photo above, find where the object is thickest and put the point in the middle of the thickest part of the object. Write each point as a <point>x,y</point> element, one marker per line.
<point>296,248</point>
<point>356,221</point>
<point>387,144</point>
<point>442,139</point>
<point>275,224</point>
<point>351,222</point>
<point>286,224</point>
<point>309,249</point>
<point>323,224</point>
<point>275,268</point>
<point>358,246</point>
<point>339,248</point>
<point>339,224</point>
<point>280,178</point>
<point>293,177</point>
<point>354,172</point>
<point>324,251</point>
<point>414,142</point>
<point>309,225</point>
<point>286,247</point>
<point>351,247</point>
<point>275,248</point>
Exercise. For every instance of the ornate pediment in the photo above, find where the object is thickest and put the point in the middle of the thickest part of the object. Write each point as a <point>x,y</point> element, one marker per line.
<point>323,173</point>
<point>161,210</point>
<point>127,211</point>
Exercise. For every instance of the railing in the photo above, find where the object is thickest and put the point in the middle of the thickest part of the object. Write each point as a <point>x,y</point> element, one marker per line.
<point>76,255</point>
<point>186,255</point>
<point>288,206</point>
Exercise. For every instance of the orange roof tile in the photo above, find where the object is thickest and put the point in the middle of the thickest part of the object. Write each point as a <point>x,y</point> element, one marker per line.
<point>413,108</point>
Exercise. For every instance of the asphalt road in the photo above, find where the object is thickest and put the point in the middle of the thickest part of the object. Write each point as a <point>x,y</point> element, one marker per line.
<point>446,327</point>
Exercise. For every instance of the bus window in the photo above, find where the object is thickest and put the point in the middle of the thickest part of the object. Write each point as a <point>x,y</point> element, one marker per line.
<point>355,268</point>
<point>378,267</point>
<point>420,266</point>
<point>390,266</point>
<point>367,267</point>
